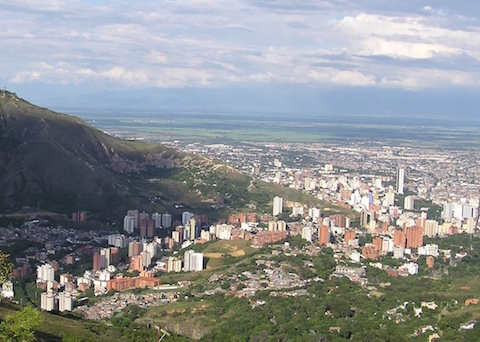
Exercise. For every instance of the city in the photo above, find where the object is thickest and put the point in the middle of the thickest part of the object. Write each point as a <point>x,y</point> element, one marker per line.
<point>406,197</point>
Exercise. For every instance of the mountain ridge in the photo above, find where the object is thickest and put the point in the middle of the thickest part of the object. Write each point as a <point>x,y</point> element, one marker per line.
<point>61,164</point>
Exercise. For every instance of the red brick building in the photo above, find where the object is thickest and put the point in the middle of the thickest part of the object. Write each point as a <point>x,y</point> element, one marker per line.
<point>349,235</point>
<point>323,235</point>
<point>414,237</point>
<point>266,237</point>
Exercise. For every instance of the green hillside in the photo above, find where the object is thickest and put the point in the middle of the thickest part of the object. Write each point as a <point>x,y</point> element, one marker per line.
<point>58,163</point>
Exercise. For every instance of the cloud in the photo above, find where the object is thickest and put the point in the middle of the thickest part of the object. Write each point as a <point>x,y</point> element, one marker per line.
<point>207,43</point>
<point>26,77</point>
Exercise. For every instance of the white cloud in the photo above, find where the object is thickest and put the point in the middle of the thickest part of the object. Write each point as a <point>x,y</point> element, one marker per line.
<point>212,44</point>
<point>26,77</point>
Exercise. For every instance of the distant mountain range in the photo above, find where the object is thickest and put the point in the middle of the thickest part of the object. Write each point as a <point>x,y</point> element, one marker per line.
<point>59,163</point>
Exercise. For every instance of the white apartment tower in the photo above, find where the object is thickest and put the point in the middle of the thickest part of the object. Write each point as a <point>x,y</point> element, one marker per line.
<point>400,185</point>
<point>47,301</point>
<point>129,224</point>
<point>277,205</point>
<point>45,273</point>
<point>307,233</point>
<point>65,301</point>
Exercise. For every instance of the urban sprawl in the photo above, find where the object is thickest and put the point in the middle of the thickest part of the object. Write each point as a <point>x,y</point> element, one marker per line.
<point>395,195</point>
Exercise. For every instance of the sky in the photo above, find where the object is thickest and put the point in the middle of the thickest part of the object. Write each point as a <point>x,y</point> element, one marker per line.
<point>342,57</point>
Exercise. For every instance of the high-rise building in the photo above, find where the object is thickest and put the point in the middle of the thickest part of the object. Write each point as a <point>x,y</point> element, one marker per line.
<point>129,224</point>
<point>166,220</point>
<point>134,214</point>
<point>101,259</point>
<point>65,301</point>
<point>277,205</point>
<point>193,261</point>
<point>272,226</point>
<point>281,226</point>
<point>147,228</point>
<point>447,210</point>
<point>146,258</point>
<point>409,203</point>
<point>323,235</point>
<point>431,228</point>
<point>186,216</point>
<point>307,233</point>
<point>157,218</point>
<point>349,235</point>
<point>47,301</point>
<point>470,225</point>
<point>134,248</point>
<point>399,238</point>
<point>414,237</point>
<point>45,273</point>
<point>186,260</point>
<point>400,184</point>
<point>390,198</point>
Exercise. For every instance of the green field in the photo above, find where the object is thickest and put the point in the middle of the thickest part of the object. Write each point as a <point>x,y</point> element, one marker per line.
<point>432,133</point>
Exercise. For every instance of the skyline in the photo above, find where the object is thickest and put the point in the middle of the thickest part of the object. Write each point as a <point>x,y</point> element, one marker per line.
<point>330,57</point>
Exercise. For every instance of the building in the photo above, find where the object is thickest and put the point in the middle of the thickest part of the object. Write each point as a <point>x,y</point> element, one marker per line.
<point>277,205</point>
<point>399,238</point>
<point>65,301</point>
<point>173,264</point>
<point>193,261</point>
<point>45,273</point>
<point>307,233</point>
<point>7,290</point>
<point>314,213</point>
<point>136,263</point>
<point>166,220</point>
<point>134,214</point>
<point>297,210</point>
<point>134,248</point>
<point>272,226</point>
<point>157,218</point>
<point>281,226</point>
<point>390,198</point>
<point>147,228</point>
<point>370,252</point>
<point>430,249</point>
<point>431,228</point>
<point>323,235</point>
<point>409,203</point>
<point>263,238</point>
<point>400,183</point>
<point>186,216</point>
<point>145,279</point>
<point>129,224</point>
<point>101,259</point>
<point>117,240</point>
<point>142,216</point>
<point>414,237</point>
<point>430,261</point>
<point>378,243</point>
<point>79,216</point>
<point>47,301</point>
<point>349,235</point>
<point>146,258</point>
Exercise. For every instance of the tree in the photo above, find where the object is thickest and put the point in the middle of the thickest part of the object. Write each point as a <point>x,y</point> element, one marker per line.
<point>6,267</point>
<point>21,325</point>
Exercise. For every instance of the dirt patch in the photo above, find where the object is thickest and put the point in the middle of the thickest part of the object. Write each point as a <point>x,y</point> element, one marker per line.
<point>238,253</point>
<point>213,255</point>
